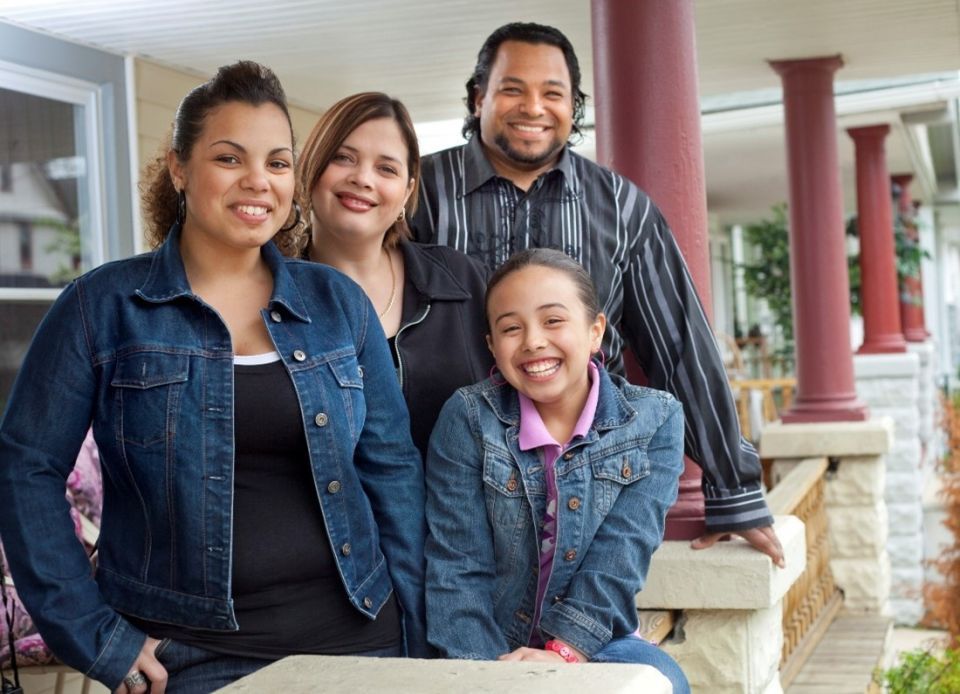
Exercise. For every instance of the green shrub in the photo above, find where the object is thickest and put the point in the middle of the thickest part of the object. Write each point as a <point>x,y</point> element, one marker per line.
<point>923,671</point>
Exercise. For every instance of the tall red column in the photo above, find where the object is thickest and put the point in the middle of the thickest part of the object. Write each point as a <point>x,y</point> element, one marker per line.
<point>818,260</point>
<point>648,129</point>
<point>911,297</point>
<point>879,295</point>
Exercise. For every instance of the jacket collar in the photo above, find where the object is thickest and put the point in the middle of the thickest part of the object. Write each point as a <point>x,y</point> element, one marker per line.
<point>477,169</point>
<point>430,277</point>
<point>167,278</point>
<point>613,410</point>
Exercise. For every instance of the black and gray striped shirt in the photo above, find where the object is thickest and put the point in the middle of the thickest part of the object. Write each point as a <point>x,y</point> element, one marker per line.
<point>616,232</point>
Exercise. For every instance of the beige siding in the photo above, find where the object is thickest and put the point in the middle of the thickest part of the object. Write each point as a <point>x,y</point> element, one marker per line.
<point>159,90</point>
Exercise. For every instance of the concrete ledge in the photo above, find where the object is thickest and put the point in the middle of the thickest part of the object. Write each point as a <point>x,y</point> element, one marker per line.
<point>349,674</point>
<point>872,437</point>
<point>898,365</point>
<point>728,576</point>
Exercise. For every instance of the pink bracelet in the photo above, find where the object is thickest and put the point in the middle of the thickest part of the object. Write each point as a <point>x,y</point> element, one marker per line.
<point>562,649</point>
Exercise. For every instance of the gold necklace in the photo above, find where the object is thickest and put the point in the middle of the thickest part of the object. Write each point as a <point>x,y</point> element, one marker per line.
<point>393,288</point>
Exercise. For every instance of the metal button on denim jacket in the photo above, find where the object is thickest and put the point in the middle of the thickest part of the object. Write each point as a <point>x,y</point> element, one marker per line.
<point>485,505</point>
<point>131,349</point>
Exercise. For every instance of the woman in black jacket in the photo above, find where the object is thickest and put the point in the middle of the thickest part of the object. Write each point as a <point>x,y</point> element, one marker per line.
<point>360,170</point>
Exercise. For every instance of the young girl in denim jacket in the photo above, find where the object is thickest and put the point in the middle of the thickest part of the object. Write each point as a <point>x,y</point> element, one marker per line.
<point>548,485</point>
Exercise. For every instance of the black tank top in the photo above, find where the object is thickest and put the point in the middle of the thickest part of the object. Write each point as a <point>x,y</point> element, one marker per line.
<point>287,591</point>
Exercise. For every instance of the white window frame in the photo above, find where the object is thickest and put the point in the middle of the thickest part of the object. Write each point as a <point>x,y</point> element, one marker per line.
<point>70,90</point>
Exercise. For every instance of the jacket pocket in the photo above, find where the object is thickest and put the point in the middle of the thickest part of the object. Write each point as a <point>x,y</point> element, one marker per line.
<point>505,494</point>
<point>615,471</point>
<point>348,375</point>
<point>509,515</point>
<point>147,387</point>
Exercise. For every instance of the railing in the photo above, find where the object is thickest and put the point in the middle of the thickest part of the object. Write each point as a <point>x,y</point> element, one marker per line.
<point>759,361</point>
<point>773,396</point>
<point>813,601</point>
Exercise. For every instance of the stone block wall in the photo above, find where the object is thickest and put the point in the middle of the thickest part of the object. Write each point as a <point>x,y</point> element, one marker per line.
<point>890,384</point>
<point>928,404</point>
<point>855,499</point>
<point>858,529</point>
<point>730,636</point>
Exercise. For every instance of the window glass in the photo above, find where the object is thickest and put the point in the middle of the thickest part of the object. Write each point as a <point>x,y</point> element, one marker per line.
<point>47,195</point>
<point>18,321</point>
<point>44,226</point>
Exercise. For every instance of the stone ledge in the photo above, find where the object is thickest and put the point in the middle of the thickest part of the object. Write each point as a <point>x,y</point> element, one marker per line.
<point>872,437</point>
<point>902,365</point>
<point>924,349</point>
<point>350,674</point>
<point>728,576</point>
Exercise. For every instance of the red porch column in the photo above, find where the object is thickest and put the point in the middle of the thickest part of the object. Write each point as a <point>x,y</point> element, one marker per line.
<point>911,298</point>
<point>648,129</point>
<point>818,260</point>
<point>879,295</point>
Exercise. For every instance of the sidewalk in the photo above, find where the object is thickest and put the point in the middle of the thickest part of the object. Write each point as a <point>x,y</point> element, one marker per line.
<point>909,639</point>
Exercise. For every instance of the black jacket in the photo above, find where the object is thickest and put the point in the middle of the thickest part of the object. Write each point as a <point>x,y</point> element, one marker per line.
<point>441,344</point>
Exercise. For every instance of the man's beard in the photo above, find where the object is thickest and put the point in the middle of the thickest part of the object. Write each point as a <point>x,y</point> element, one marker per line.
<point>533,160</point>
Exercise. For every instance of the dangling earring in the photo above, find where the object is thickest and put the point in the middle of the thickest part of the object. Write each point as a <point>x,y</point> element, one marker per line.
<point>496,376</point>
<point>181,207</point>
<point>296,218</point>
<point>402,217</point>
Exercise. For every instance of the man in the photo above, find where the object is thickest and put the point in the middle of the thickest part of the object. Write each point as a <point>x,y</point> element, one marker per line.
<point>516,184</point>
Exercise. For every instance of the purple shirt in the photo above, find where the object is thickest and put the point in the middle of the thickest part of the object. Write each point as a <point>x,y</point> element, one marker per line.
<point>534,434</point>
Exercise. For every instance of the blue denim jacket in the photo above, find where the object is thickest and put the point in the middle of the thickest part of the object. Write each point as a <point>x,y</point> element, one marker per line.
<point>485,508</point>
<point>131,349</point>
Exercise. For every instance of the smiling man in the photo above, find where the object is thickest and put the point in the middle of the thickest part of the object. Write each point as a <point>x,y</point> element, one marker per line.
<point>516,184</point>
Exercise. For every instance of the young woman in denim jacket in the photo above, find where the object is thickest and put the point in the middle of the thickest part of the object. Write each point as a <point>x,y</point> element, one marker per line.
<point>359,173</point>
<point>262,495</point>
<point>548,485</point>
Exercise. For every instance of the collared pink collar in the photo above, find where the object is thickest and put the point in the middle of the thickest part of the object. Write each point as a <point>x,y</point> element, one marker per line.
<point>533,432</point>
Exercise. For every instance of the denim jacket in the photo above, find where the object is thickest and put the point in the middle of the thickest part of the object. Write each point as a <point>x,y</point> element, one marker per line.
<point>131,349</point>
<point>485,508</point>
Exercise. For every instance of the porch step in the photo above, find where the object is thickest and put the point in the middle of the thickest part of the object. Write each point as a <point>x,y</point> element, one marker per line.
<point>844,660</point>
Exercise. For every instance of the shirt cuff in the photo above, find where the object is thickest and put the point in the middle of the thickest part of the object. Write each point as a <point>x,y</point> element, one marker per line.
<point>733,510</point>
<point>116,658</point>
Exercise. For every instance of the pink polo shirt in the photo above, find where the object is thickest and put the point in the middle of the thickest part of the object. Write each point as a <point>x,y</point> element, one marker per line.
<point>534,435</point>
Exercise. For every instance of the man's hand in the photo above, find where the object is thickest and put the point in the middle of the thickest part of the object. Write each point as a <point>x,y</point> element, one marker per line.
<point>762,539</point>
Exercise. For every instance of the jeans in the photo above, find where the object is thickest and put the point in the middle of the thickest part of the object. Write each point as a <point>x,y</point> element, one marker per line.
<point>632,649</point>
<point>193,670</point>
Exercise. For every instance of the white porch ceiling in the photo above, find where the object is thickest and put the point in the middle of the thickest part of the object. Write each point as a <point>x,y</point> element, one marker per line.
<point>422,52</point>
